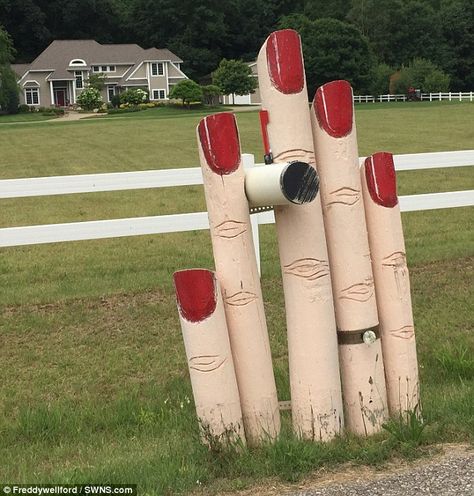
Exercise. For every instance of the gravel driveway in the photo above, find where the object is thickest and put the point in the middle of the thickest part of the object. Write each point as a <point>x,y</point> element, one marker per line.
<point>449,472</point>
<point>453,475</point>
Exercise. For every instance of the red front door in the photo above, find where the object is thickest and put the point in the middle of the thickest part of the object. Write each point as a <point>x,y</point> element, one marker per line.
<point>60,97</point>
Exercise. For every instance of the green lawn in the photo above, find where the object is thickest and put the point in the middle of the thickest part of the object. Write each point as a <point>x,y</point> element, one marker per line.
<point>26,117</point>
<point>94,381</point>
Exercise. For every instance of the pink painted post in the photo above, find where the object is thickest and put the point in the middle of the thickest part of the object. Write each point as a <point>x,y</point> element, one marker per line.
<point>210,363</point>
<point>392,283</point>
<point>312,340</point>
<point>236,266</point>
<point>360,352</point>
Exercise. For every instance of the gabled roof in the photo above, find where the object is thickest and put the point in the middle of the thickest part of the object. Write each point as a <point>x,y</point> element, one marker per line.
<point>59,53</point>
<point>20,69</point>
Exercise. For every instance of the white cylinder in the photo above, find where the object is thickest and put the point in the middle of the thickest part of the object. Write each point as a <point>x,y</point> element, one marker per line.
<point>281,184</point>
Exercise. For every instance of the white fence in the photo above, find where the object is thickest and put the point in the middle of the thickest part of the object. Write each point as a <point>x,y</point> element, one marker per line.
<point>451,96</point>
<point>136,226</point>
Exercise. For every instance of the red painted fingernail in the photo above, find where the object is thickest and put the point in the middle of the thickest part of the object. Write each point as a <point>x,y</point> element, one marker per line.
<point>195,293</point>
<point>334,108</point>
<point>381,179</point>
<point>285,61</point>
<point>219,138</point>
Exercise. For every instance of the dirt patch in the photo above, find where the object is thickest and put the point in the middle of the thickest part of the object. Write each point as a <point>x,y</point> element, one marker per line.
<point>111,302</point>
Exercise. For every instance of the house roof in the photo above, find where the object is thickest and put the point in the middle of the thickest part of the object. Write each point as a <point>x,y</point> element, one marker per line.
<point>57,56</point>
<point>20,69</point>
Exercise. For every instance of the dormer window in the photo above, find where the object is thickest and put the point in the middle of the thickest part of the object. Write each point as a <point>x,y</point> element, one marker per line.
<point>78,63</point>
<point>157,69</point>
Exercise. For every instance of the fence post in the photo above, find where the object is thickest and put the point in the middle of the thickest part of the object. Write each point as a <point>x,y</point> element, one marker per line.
<point>450,96</point>
<point>248,161</point>
<point>431,97</point>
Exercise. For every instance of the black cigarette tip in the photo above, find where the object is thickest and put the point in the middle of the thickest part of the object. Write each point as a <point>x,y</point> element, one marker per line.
<point>300,182</point>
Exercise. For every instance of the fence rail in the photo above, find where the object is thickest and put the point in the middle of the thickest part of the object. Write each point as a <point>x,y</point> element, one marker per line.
<point>450,96</point>
<point>101,229</point>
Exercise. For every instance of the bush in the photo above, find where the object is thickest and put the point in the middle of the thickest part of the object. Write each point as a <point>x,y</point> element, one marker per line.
<point>210,94</point>
<point>115,101</point>
<point>23,108</point>
<point>187,91</point>
<point>421,74</point>
<point>134,96</point>
<point>380,84</point>
<point>126,110</point>
<point>89,99</point>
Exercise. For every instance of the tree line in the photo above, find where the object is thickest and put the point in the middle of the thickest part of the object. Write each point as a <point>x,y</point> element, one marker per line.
<point>356,39</point>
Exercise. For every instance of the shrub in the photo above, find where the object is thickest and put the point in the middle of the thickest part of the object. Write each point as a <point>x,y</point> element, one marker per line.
<point>89,99</point>
<point>380,84</point>
<point>134,96</point>
<point>23,108</point>
<point>115,101</point>
<point>421,74</point>
<point>210,94</point>
<point>187,91</point>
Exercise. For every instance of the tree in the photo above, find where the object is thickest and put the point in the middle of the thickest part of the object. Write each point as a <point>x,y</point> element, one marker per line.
<point>9,99</point>
<point>457,24</point>
<point>7,51</point>
<point>400,30</point>
<point>332,50</point>
<point>26,23</point>
<point>187,91</point>
<point>96,81</point>
<point>234,77</point>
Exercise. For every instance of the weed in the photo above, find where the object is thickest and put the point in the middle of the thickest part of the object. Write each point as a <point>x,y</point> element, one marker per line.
<point>407,428</point>
<point>457,361</point>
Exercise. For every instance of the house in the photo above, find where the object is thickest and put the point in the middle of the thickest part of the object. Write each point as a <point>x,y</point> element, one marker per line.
<point>250,98</point>
<point>58,75</point>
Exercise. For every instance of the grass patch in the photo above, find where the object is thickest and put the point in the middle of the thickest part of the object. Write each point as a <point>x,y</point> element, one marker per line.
<point>94,380</point>
<point>25,117</point>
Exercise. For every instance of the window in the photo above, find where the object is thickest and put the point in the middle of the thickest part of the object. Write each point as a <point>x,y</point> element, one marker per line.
<point>158,94</point>
<point>78,62</point>
<point>32,96</point>
<point>110,92</point>
<point>103,68</point>
<point>157,69</point>
<point>79,80</point>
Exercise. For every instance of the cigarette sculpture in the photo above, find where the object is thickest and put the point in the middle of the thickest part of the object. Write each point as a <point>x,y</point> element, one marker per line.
<point>211,368</point>
<point>360,351</point>
<point>236,266</point>
<point>312,340</point>
<point>392,284</point>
